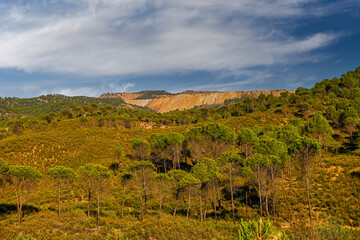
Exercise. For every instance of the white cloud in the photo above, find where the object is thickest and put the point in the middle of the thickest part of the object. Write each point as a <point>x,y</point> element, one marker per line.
<point>84,91</point>
<point>112,87</point>
<point>90,91</point>
<point>122,37</point>
<point>29,88</point>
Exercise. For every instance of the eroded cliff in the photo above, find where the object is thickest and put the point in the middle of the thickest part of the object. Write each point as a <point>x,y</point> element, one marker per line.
<point>188,99</point>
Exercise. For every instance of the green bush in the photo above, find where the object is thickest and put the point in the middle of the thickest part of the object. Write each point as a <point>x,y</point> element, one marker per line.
<point>251,230</point>
<point>21,237</point>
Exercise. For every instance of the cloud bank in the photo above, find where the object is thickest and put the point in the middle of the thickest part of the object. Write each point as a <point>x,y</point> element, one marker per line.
<point>88,91</point>
<point>139,37</point>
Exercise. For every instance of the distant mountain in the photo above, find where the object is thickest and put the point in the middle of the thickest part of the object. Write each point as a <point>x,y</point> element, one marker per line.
<point>151,94</point>
<point>162,101</point>
<point>53,103</point>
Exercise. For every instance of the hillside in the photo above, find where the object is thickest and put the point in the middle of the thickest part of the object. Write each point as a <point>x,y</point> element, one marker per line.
<point>187,100</point>
<point>288,165</point>
<point>53,103</point>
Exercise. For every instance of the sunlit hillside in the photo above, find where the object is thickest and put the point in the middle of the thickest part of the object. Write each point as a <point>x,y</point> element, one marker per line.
<point>284,167</point>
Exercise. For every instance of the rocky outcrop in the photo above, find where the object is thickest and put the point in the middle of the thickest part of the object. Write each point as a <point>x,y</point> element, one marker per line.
<point>189,99</point>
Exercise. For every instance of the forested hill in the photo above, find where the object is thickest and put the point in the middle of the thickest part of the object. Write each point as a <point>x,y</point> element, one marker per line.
<point>275,167</point>
<point>53,103</point>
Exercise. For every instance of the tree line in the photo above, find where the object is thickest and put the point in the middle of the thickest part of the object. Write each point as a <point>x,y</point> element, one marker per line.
<point>204,167</point>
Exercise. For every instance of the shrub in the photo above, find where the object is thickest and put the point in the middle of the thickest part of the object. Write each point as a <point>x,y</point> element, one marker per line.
<point>259,230</point>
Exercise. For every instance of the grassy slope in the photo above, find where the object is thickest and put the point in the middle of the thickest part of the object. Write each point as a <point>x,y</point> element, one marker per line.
<point>70,144</point>
<point>114,228</point>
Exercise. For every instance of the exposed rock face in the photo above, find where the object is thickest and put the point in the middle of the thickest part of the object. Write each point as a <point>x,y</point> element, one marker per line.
<point>189,99</point>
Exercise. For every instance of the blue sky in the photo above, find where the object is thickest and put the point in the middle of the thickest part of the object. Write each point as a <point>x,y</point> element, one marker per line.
<point>78,47</point>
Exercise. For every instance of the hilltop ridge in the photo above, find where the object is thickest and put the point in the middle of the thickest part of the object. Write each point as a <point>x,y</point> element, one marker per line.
<point>166,102</point>
<point>53,103</point>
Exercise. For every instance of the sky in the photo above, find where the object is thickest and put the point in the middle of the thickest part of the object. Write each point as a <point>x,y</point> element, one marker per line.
<point>90,47</point>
